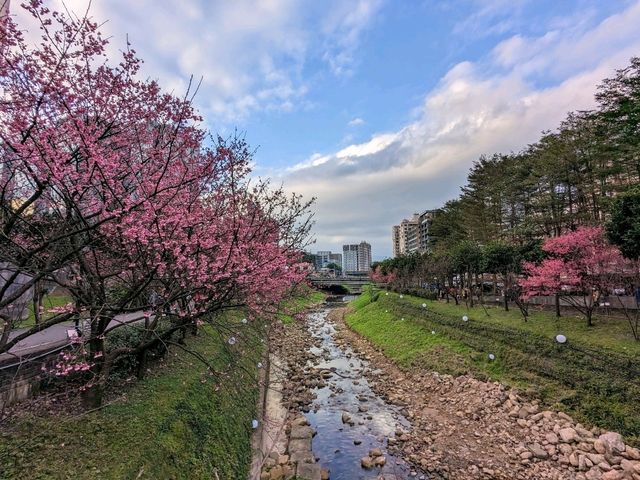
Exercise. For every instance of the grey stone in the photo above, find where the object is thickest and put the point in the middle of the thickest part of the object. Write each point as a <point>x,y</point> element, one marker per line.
<point>301,431</point>
<point>308,471</point>
<point>300,444</point>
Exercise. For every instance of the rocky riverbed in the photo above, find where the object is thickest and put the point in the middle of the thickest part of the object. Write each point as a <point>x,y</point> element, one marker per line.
<point>464,428</point>
<point>373,420</point>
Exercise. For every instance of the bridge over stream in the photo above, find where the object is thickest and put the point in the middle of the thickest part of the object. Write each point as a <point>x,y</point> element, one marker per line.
<point>344,284</point>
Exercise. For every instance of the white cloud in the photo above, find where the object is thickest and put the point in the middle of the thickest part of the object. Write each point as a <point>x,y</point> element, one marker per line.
<point>498,104</point>
<point>249,54</point>
<point>343,28</point>
<point>356,122</point>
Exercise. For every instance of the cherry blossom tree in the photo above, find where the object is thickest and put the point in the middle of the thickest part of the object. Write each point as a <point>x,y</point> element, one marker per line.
<point>112,189</point>
<point>379,274</point>
<point>581,267</point>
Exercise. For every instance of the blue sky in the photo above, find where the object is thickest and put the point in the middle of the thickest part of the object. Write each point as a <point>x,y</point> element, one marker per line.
<point>377,107</point>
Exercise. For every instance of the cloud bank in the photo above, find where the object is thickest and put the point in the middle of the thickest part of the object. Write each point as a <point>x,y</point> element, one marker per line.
<point>251,55</point>
<point>500,103</point>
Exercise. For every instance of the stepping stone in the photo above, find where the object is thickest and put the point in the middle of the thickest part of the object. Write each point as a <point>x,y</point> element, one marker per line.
<point>301,431</point>
<point>308,471</point>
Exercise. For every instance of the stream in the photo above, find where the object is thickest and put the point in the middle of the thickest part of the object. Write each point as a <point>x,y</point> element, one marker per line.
<point>340,446</point>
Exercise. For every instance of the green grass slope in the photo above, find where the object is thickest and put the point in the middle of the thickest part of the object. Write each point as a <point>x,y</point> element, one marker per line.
<point>177,423</point>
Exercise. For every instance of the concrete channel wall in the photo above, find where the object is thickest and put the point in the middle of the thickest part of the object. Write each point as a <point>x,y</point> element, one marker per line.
<point>22,378</point>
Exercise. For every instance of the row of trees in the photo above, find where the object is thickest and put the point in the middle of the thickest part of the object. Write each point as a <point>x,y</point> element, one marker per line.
<point>112,189</point>
<point>583,267</point>
<point>566,179</point>
<point>521,212</point>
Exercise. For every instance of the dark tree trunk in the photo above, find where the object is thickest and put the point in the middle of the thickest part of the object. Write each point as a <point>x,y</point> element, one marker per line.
<point>93,394</point>
<point>37,302</point>
<point>506,292</point>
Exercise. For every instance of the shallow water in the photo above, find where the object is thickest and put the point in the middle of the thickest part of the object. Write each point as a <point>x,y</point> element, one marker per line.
<point>375,420</point>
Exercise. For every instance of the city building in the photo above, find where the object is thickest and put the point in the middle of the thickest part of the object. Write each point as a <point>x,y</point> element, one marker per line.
<point>356,258</point>
<point>395,239</point>
<point>322,259</point>
<point>325,257</point>
<point>349,258</point>
<point>364,257</point>
<point>412,235</point>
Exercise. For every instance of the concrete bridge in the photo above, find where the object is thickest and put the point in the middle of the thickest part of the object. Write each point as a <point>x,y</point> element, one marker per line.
<point>340,284</point>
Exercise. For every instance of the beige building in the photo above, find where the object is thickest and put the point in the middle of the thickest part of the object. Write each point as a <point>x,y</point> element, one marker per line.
<point>412,235</point>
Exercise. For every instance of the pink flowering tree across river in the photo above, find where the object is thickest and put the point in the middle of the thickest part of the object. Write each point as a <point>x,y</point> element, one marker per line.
<point>112,189</point>
<point>581,267</point>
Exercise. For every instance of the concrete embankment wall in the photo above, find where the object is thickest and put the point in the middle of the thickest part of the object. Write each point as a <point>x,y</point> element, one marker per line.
<point>22,377</point>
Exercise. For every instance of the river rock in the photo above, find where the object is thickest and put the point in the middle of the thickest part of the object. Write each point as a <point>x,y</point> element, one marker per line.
<point>568,435</point>
<point>632,453</point>
<point>366,462</point>
<point>598,445</point>
<point>276,473</point>
<point>308,471</point>
<point>613,442</point>
<point>629,466</point>
<point>375,452</point>
<point>380,461</point>
<point>552,438</point>
<point>301,431</point>
<point>538,451</point>
<point>612,475</point>
<point>594,474</point>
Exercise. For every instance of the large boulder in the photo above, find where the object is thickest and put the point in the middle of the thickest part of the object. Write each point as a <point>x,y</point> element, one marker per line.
<point>613,442</point>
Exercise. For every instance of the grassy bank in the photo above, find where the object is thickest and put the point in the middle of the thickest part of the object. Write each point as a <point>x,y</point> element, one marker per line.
<point>595,376</point>
<point>304,298</point>
<point>178,423</point>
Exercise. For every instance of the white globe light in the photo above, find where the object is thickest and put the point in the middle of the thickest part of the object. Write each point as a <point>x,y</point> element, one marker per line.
<point>465,319</point>
<point>244,320</point>
<point>387,293</point>
<point>402,319</point>
<point>401,296</point>
<point>424,305</point>
<point>561,338</point>
<point>259,364</point>
<point>433,332</point>
<point>492,356</point>
<point>232,340</point>
<point>254,424</point>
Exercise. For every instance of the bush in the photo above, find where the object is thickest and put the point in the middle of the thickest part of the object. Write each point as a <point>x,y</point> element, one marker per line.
<point>417,292</point>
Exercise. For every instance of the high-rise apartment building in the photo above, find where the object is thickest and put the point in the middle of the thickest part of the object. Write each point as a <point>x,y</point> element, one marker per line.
<point>364,257</point>
<point>395,239</point>
<point>356,257</point>
<point>412,235</point>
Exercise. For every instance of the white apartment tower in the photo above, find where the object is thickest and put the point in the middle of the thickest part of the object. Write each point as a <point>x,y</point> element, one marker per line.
<point>356,257</point>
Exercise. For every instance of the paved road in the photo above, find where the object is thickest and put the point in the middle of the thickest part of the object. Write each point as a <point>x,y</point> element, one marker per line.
<point>55,337</point>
